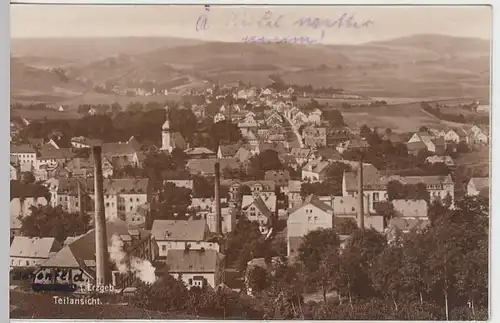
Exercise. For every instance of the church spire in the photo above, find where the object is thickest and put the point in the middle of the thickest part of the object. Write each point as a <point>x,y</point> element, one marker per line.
<point>166,124</point>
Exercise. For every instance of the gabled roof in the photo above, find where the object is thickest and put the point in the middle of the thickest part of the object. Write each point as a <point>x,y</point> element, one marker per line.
<point>228,150</point>
<point>259,204</point>
<point>33,247</point>
<point>199,151</point>
<point>54,153</point>
<point>22,149</point>
<point>193,261</point>
<point>328,153</point>
<point>82,249</point>
<point>481,183</point>
<point>179,230</point>
<point>118,148</point>
<point>315,201</point>
<point>300,152</point>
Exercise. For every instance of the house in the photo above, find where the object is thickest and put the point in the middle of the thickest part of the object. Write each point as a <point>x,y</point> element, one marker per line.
<point>82,142</point>
<point>397,226</point>
<point>275,119</point>
<point>315,170</point>
<point>483,108</point>
<point>199,152</point>
<point>25,154</point>
<point>75,263</point>
<point>314,137</point>
<point>186,183</point>
<point>31,252</point>
<point>311,215</point>
<point>196,268</point>
<point>248,123</point>
<point>302,155</point>
<point>346,208</point>
<point>219,117</point>
<point>411,209</point>
<point>14,171</point>
<point>293,193</point>
<point>280,177</point>
<point>137,218</point>
<point>181,235</point>
<point>52,157</point>
<point>249,136</point>
<point>243,154</point>
<point>228,219</point>
<point>478,186</point>
<point>20,208</point>
<point>375,185</point>
<point>198,111</point>
<point>447,160</point>
<point>425,141</point>
<point>275,146</point>
<point>121,154</point>
<point>457,135</point>
<point>328,154</point>
<point>84,167</point>
<point>257,211</point>
<point>315,117</point>
<point>352,144</point>
<point>227,151</point>
<point>480,134</point>
<point>121,196</point>
<point>299,119</point>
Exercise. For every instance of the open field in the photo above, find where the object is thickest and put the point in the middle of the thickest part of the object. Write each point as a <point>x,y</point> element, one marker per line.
<point>400,118</point>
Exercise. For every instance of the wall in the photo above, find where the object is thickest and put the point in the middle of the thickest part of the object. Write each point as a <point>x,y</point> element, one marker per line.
<point>64,276</point>
<point>26,261</point>
<point>308,218</point>
<point>210,277</point>
<point>164,246</point>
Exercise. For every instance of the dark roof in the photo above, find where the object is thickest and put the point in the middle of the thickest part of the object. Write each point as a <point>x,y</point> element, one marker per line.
<point>54,153</point>
<point>194,261</point>
<point>313,200</point>
<point>229,150</point>
<point>207,166</point>
<point>179,230</point>
<point>22,149</point>
<point>329,153</point>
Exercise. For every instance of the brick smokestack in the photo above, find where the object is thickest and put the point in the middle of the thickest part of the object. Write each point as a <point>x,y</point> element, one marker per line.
<point>101,245</point>
<point>361,213</point>
<point>218,224</point>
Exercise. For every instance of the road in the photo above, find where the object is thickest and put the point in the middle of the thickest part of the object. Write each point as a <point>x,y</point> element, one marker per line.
<point>295,131</point>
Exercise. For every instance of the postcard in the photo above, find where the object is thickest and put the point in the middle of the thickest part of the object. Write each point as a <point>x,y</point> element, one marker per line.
<point>250,162</point>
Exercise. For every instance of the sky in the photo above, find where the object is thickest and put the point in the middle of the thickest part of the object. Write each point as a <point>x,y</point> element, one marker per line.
<point>234,23</point>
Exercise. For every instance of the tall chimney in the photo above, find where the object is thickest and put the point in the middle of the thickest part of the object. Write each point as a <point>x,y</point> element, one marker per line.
<point>361,213</point>
<point>218,224</point>
<point>100,221</point>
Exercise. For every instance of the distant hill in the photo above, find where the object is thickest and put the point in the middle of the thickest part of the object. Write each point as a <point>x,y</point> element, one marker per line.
<point>413,66</point>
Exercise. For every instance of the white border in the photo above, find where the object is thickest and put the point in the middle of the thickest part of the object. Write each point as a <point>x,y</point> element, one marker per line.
<point>495,198</point>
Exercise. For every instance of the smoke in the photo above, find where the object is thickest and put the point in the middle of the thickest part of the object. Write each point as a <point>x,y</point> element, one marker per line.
<point>141,268</point>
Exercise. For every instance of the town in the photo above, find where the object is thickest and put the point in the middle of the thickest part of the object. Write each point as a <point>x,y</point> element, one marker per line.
<point>239,201</point>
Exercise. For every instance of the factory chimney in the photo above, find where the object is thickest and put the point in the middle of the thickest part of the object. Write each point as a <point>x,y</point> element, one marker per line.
<point>361,213</point>
<point>100,221</point>
<point>218,224</point>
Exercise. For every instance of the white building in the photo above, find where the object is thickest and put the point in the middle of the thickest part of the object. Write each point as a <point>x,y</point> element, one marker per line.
<point>181,235</point>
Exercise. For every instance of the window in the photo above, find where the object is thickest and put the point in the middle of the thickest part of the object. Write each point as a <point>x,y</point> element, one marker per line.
<point>163,248</point>
<point>130,199</point>
<point>131,208</point>
<point>190,282</point>
<point>137,199</point>
<point>76,204</point>
<point>375,196</point>
<point>27,263</point>
<point>107,204</point>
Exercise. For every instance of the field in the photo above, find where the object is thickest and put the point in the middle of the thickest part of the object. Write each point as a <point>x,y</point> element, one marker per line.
<point>400,118</point>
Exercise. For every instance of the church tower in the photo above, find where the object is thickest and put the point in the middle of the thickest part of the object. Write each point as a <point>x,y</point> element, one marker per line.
<point>166,139</point>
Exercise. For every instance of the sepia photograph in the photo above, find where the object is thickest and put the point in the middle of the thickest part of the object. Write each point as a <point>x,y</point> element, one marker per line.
<point>244,162</point>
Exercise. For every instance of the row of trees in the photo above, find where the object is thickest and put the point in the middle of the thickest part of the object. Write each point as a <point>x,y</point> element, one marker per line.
<point>436,273</point>
<point>144,124</point>
<point>459,118</point>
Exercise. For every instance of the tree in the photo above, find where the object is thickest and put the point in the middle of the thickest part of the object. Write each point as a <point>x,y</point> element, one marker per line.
<point>319,253</point>
<point>258,279</point>
<point>47,221</point>
<point>240,243</point>
<point>174,201</point>
<point>266,160</point>
<point>203,187</point>
<point>183,121</point>
<point>27,178</point>
<point>365,131</point>
<point>423,129</point>
<point>224,132</point>
<point>395,190</point>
